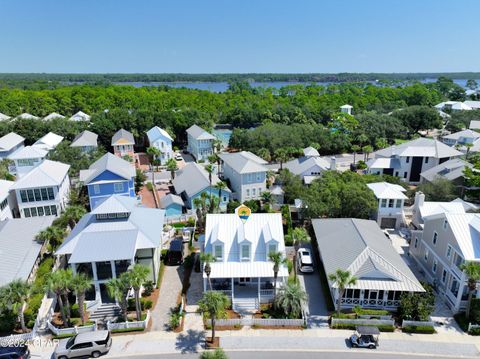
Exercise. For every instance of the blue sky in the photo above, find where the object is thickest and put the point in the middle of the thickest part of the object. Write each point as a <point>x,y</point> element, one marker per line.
<point>210,36</point>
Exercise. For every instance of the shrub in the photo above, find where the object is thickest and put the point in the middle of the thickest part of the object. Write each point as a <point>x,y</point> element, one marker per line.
<point>420,329</point>
<point>475,331</point>
<point>191,222</point>
<point>361,165</point>
<point>8,319</point>
<point>148,288</point>
<point>461,321</point>
<point>75,310</point>
<point>146,304</point>
<point>382,328</point>
<point>126,330</point>
<point>475,310</point>
<point>378,312</point>
<point>290,266</point>
<point>150,186</point>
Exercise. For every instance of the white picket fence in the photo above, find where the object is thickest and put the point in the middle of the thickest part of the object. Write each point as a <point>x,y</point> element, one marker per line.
<point>260,322</point>
<point>73,330</point>
<point>418,323</point>
<point>130,325</point>
<point>18,338</point>
<point>362,321</point>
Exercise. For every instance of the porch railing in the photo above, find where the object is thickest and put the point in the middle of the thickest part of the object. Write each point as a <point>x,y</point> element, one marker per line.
<point>371,302</point>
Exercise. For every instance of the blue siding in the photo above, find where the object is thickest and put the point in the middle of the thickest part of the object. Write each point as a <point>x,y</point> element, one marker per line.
<point>107,189</point>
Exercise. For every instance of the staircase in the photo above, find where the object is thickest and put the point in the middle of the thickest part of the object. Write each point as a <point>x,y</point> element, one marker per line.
<point>106,312</point>
<point>245,305</point>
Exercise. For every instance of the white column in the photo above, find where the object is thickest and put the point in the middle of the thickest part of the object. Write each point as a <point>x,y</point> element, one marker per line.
<point>258,293</point>
<point>114,271</point>
<point>74,268</point>
<point>204,284</point>
<point>233,286</point>
<point>98,296</point>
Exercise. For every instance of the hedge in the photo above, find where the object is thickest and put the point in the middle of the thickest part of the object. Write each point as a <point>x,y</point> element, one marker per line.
<point>126,330</point>
<point>382,328</point>
<point>419,329</point>
<point>475,331</point>
<point>360,311</point>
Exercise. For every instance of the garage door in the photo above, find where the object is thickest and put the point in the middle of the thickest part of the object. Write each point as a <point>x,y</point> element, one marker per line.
<point>388,222</point>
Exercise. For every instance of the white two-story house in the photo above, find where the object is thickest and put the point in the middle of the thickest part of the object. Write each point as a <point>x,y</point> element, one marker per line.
<point>445,243</point>
<point>461,138</point>
<point>390,199</point>
<point>241,243</point>
<point>200,143</point>
<point>6,200</point>
<point>310,166</point>
<point>10,143</point>
<point>160,139</point>
<point>410,159</point>
<point>26,159</point>
<point>246,173</point>
<point>44,190</point>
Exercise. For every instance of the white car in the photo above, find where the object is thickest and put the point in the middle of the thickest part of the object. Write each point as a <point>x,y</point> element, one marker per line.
<point>178,157</point>
<point>304,260</point>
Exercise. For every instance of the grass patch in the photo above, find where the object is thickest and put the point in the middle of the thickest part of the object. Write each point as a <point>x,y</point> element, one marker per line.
<point>126,330</point>
<point>161,271</point>
<point>63,336</point>
<point>179,225</point>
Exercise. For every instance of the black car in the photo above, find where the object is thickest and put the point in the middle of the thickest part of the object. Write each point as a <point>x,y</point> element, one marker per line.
<point>14,352</point>
<point>175,252</point>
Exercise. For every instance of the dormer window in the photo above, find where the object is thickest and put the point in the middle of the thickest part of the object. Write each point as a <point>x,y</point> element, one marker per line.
<point>272,248</point>
<point>245,252</point>
<point>218,252</point>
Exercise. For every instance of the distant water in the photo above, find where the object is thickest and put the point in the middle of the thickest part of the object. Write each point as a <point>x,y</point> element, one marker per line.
<point>223,86</point>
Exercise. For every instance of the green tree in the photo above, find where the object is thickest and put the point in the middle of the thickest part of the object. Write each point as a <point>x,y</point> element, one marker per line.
<point>52,235</point>
<point>341,280</point>
<point>417,305</point>
<point>366,152</point>
<point>291,298</point>
<point>213,306</point>
<point>264,153</point>
<point>472,271</point>
<point>355,150</point>
<point>73,214</point>
<point>438,190</point>
<point>172,167</point>
<point>207,259</point>
<point>281,155</point>
<point>118,288</point>
<point>416,118</point>
<point>140,178</point>
<point>278,260</point>
<point>137,276</point>
<point>153,155</point>
<point>220,186</point>
<point>16,294</point>
<point>80,284</point>
<point>59,282</point>
<point>472,84</point>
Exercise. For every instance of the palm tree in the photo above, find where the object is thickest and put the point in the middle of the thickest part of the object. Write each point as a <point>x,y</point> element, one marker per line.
<point>281,155</point>
<point>200,204</point>
<point>299,236</point>
<point>172,167</point>
<point>153,153</point>
<point>265,154</point>
<point>367,150</point>
<point>277,259</point>
<point>53,236</point>
<point>16,294</point>
<point>355,149</point>
<point>291,299</point>
<point>213,305</point>
<point>209,168</point>
<point>137,276</point>
<point>55,283</point>
<point>267,197</point>
<point>207,258</point>
<point>118,289</point>
<point>220,185</point>
<point>80,284</point>
<point>472,271</point>
<point>468,146</point>
<point>342,279</point>
<point>73,214</point>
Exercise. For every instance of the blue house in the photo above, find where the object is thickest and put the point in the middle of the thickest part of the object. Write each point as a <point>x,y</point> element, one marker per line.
<point>108,175</point>
<point>160,139</point>
<point>200,143</point>
<point>172,204</point>
<point>192,180</point>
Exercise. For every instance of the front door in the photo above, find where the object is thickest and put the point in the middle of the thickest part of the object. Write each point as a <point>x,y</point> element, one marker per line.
<point>106,298</point>
<point>416,169</point>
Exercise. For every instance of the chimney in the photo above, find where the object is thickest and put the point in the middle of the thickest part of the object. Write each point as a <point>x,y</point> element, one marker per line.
<point>419,200</point>
<point>333,163</point>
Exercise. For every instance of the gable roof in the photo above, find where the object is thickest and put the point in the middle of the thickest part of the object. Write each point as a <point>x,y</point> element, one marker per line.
<point>310,151</point>
<point>365,252</point>
<point>170,199</point>
<point>474,125</point>
<point>302,164</point>
<point>108,162</point>
<point>193,178</point>
<point>420,147</point>
<point>48,173</point>
<point>114,239</point>
<point>19,249</point>
<point>52,116</point>
<point>473,104</point>
<point>156,133</point>
<point>451,170</point>
<point>258,230</point>
<point>85,138</point>
<point>80,116</point>
<point>29,152</point>
<point>387,190</point>
<point>49,141</point>
<point>26,116</point>
<point>122,137</point>
<point>244,162</point>
<point>463,134</point>
<point>9,141</point>
<point>433,208</point>
<point>199,133</point>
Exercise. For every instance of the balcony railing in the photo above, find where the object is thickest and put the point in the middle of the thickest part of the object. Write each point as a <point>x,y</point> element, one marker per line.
<point>371,302</point>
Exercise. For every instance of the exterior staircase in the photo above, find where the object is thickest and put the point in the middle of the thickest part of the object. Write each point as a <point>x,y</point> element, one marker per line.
<point>106,312</point>
<point>245,305</point>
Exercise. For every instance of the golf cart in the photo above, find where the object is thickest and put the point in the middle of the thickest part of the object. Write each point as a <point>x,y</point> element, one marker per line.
<point>365,337</point>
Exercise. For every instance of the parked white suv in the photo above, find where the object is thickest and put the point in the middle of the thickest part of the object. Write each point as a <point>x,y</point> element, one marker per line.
<point>304,260</point>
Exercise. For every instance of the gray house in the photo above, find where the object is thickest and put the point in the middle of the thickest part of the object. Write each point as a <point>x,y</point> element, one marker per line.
<point>360,246</point>
<point>86,141</point>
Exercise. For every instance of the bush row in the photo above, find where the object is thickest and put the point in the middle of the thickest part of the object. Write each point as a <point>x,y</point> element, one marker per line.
<point>381,327</point>
<point>419,329</point>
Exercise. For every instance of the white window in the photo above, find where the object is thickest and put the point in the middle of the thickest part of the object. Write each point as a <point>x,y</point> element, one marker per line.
<point>254,192</point>
<point>449,251</point>
<point>426,159</point>
<point>118,187</point>
<point>416,242</point>
<point>434,267</point>
<point>384,203</point>
<point>245,252</point>
<point>96,188</point>
<point>399,203</point>
<point>272,248</point>
<point>259,191</point>
<point>218,252</point>
<point>425,257</point>
<point>445,224</point>
<point>435,237</point>
<point>444,276</point>
<point>247,191</point>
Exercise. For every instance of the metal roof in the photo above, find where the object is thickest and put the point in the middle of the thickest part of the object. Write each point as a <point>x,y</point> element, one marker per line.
<point>28,152</point>
<point>466,230</point>
<point>18,247</point>
<point>258,230</point>
<point>302,164</point>
<point>9,141</point>
<point>52,116</point>
<point>46,174</point>
<point>310,152</point>
<point>27,116</point>
<point>360,246</point>
<point>49,141</point>
<point>170,199</point>
<point>193,178</point>
<point>115,204</point>
<point>80,116</point>
<point>123,137</point>
<point>473,104</point>
<point>85,138</point>
<point>244,162</point>
<point>451,170</point>
<point>384,163</point>
<point>156,132</point>
<point>108,162</point>
<point>463,134</point>
<point>4,117</point>
<point>474,124</point>
<point>420,147</point>
<point>432,208</point>
<point>106,239</point>
<point>199,133</point>
<point>5,188</point>
<point>387,190</point>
